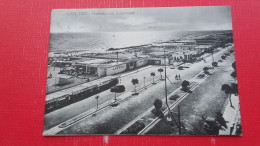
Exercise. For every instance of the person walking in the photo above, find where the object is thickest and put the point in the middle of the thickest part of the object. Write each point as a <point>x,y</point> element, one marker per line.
<point>179,77</point>
<point>176,77</point>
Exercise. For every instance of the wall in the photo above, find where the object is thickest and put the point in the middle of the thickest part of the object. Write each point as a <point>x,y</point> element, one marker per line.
<point>141,62</point>
<point>115,69</point>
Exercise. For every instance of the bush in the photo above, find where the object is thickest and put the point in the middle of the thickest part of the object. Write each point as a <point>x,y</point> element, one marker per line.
<point>202,75</point>
<point>174,97</point>
<point>215,64</point>
<point>206,68</point>
<point>234,74</point>
<point>135,128</point>
<point>185,84</point>
<point>234,65</point>
<point>206,72</point>
<point>157,103</point>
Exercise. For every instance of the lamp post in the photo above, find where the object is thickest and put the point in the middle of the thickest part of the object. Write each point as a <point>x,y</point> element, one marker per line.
<point>97,101</point>
<point>144,82</point>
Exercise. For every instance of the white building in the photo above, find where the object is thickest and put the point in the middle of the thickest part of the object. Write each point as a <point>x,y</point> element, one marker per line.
<point>110,69</point>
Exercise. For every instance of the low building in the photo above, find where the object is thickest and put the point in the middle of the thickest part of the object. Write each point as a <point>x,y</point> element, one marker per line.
<point>110,69</point>
<point>62,79</point>
<point>158,61</point>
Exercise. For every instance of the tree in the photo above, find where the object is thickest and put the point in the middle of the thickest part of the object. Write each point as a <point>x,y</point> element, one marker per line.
<point>235,88</point>
<point>214,64</point>
<point>234,73</point>
<point>185,85</point>
<point>117,89</point>
<point>153,74</point>
<point>223,57</point>
<point>206,70</point>
<point>229,90</point>
<point>134,82</point>
<point>234,65</point>
<point>160,70</point>
<point>211,51</point>
<point>157,107</point>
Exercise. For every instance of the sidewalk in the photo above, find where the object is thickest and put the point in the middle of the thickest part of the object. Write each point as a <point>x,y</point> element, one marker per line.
<point>149,119</point>
<point>232,116</point>
<point>94,110</point>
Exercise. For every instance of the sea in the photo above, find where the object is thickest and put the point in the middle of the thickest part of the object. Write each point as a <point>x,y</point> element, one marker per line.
<point>98,42</point>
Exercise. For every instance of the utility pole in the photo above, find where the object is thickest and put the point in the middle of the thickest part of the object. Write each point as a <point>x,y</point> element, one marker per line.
<point>165,87</point>
<point>165,83</point>
<point>179,116</point>
<point>117,56</point>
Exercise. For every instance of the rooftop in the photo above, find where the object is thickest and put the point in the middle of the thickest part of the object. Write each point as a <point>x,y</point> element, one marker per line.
<point>94,61</point>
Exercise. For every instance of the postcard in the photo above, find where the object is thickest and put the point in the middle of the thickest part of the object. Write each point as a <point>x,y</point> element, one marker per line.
<point>142,71</point>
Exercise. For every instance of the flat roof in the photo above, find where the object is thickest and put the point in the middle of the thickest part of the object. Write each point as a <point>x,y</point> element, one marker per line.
<point>64,76</point>
<point>111,64</point>
<point>94,61</point>
<point>76,88</point>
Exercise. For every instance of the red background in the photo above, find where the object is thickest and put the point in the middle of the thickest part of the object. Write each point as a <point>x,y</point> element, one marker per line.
<point>24,40</point>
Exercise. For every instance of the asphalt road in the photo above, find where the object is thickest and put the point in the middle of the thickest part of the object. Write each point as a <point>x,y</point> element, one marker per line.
<point>206,100</point>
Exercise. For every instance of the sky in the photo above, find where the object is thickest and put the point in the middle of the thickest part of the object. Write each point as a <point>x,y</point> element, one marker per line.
<point>141,19</point>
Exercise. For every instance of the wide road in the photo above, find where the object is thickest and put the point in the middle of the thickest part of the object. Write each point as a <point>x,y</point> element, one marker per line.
<point>56,117</point>
<point>204,101</point>
<point>112,119</point>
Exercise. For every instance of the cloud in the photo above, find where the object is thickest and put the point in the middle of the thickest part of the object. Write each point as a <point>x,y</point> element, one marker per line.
<point>136,21</point>
<point>144,19</point>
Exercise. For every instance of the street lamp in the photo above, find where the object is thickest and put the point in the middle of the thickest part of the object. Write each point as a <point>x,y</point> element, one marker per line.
<point>144,82</point>
<point>97,101</point>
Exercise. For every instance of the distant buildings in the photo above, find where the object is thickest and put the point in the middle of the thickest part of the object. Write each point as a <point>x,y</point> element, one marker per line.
<point>118,60</point>
<point>106,67</point>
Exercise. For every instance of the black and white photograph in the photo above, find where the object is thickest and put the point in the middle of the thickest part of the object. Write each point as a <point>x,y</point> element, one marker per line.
<point>142,71</point>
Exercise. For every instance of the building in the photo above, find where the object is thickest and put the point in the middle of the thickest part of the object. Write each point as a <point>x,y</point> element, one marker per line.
<point>105,67</point>
<point>62,79</point>
<point>111,69</point>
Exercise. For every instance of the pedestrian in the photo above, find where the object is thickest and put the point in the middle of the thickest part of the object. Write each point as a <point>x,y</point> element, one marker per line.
<point>179,77</point>
<point>176,77</point>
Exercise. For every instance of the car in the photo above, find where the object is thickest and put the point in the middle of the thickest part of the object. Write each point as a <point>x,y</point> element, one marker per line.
<point>172,67</point>
<point>180,68</point>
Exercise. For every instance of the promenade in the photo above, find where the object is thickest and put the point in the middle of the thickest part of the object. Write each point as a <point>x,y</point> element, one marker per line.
<point>129,107</point>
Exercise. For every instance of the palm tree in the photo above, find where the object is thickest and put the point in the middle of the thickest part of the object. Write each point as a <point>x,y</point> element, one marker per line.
<point>160,70</point>
<point>228,90</point>
<point>211,51</point>
<point>134,82</point>
<point>153,74</point>
<point>117,89</point>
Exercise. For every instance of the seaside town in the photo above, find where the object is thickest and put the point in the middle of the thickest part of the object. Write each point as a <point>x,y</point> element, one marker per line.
<point>184,86</point>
